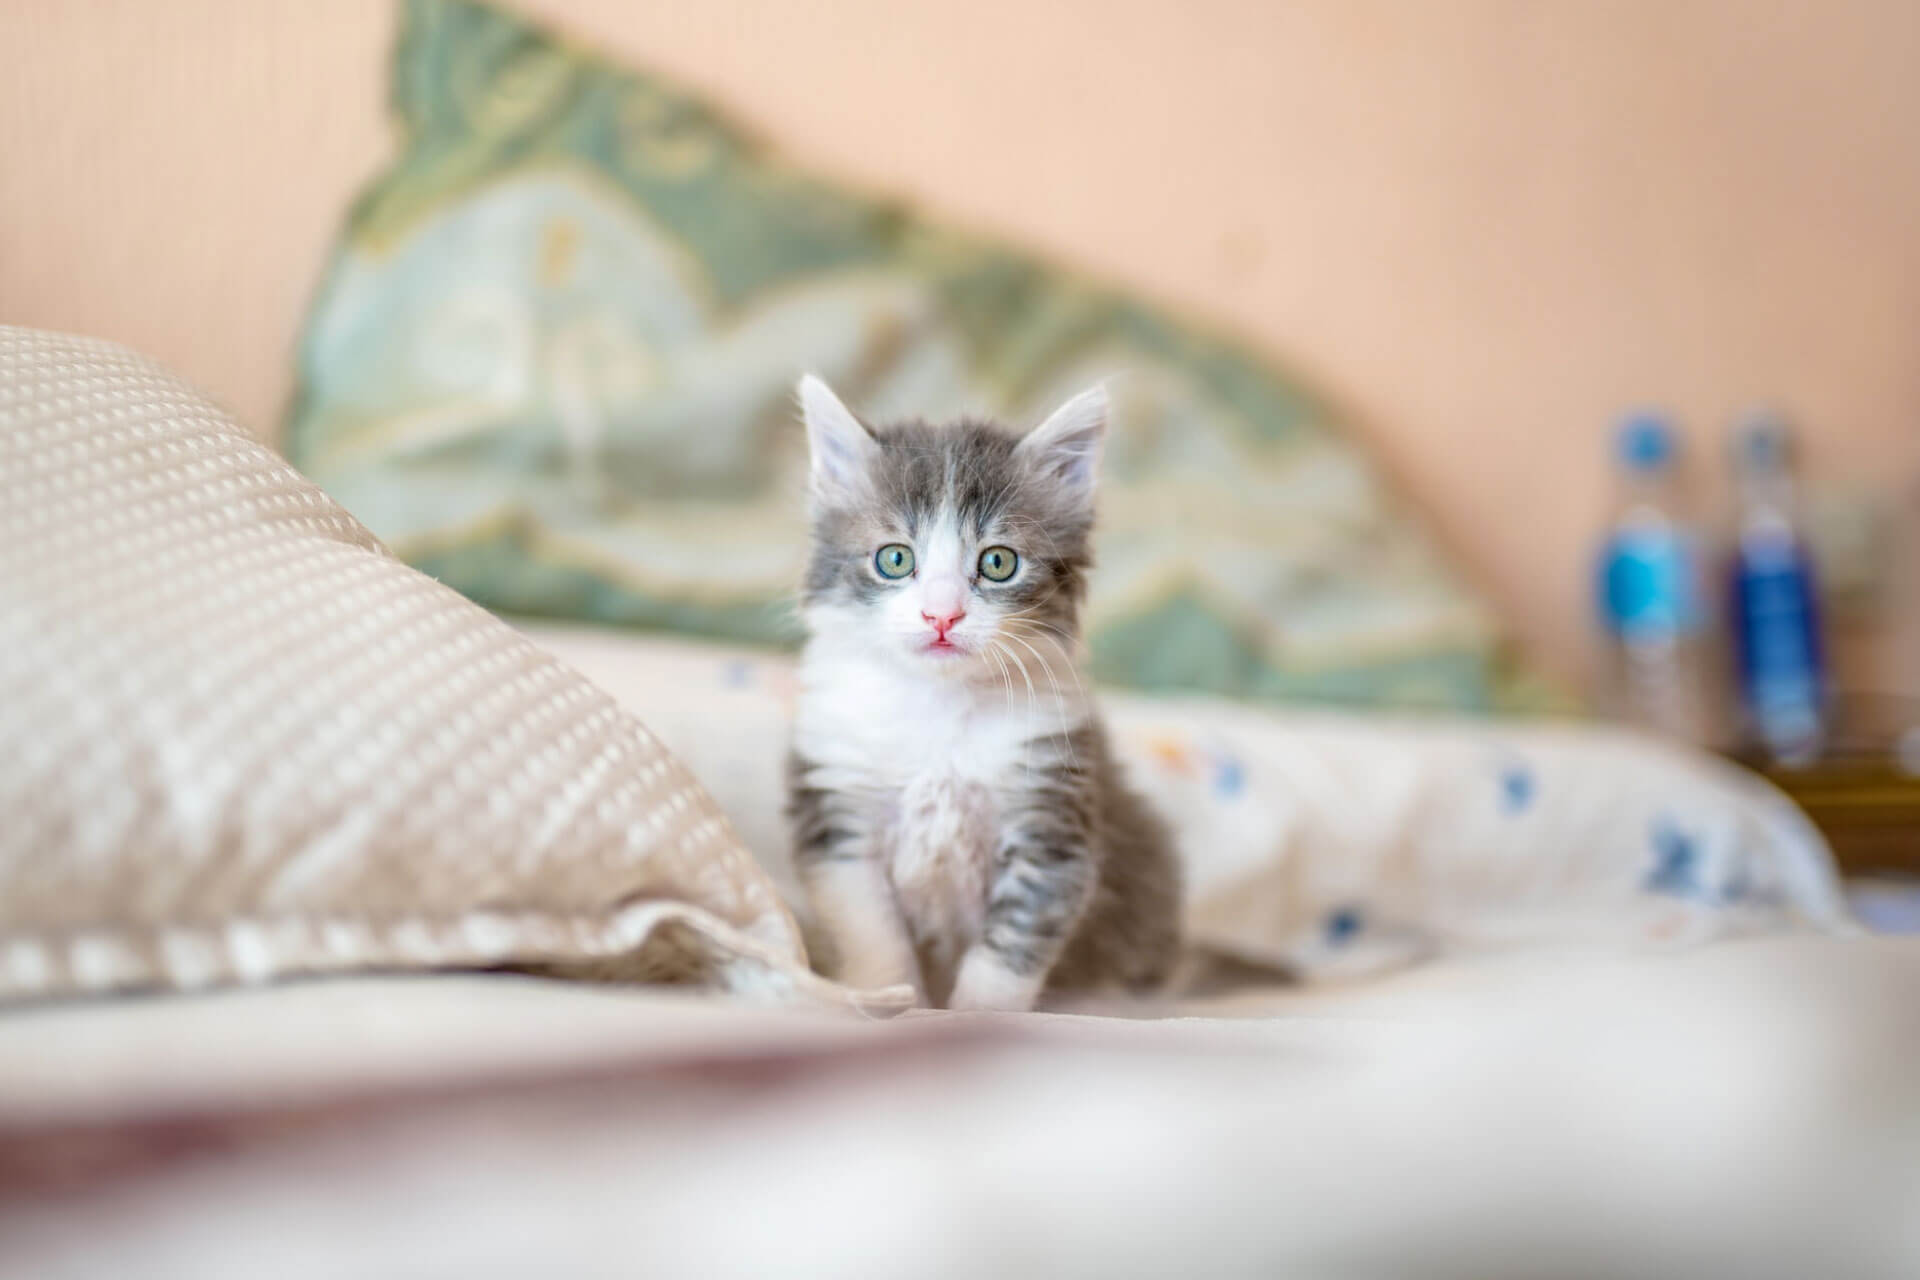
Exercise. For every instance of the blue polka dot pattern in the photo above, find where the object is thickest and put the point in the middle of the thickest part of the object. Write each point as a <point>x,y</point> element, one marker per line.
<point>1343,925</point>
<point>1517,786</point>
<point>1676,861</point>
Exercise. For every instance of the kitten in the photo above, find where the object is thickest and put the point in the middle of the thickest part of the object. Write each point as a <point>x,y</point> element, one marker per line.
<point>959,823</point>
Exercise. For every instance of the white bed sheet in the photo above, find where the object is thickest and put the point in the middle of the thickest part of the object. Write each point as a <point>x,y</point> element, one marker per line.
<point>1742,1110</point>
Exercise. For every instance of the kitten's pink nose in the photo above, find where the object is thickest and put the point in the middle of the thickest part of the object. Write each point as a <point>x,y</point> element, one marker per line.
<point>943,622</point>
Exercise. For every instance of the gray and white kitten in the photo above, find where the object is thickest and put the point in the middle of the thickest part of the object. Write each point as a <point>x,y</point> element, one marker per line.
<point>959,822</point>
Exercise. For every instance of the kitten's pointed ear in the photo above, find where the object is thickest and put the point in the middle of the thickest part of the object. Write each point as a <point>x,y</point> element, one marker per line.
<point>1067,445</point>
<point>840,447</point>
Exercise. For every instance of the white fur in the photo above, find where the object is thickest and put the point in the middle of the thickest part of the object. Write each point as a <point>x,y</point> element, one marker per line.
<point>931,741</point>
<point>985,983</point>
<point>877,713</point>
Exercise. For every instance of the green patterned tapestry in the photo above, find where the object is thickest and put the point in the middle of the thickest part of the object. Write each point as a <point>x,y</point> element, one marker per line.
<point>552,363</point>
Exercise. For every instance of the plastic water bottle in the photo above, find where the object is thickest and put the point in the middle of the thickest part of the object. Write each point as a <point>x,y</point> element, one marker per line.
<point>1781,662</point>
<point>1652,599</point>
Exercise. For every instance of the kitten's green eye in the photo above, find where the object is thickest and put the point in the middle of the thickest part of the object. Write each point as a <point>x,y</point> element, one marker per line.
<point>997,564</point>
<point>895,560</point>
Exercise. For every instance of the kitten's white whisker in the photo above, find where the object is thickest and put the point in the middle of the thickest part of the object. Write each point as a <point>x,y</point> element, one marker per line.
<point>1079,687</point>
<point>1004,657</point>
<point>1067,641</point>
<point>1033,695</point>
<point>1053,590</point>
<point>1033,704</point>
<point>999,665</point>
<point>1047,667</point>
<point>1072,669</point>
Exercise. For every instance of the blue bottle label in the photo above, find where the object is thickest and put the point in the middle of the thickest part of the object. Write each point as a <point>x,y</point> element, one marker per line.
<point>1777,633</point>
<point>1650,585</point>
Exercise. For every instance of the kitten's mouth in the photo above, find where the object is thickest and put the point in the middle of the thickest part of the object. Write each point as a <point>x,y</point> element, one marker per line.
<point>941,647</point>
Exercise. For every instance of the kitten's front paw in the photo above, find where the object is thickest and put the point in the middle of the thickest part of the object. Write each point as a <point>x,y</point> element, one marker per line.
<point>875,977</point>
<point>986,983</point>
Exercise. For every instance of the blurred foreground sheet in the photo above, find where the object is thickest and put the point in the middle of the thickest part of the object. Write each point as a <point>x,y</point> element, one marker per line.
<point>1749,1109</point>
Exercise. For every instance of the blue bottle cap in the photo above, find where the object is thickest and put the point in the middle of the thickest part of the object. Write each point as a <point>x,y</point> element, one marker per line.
<point>1763,441</point>
<point>1645,442</point>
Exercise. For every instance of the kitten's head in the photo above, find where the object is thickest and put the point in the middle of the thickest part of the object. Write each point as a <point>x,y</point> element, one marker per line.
<point>958,547</point>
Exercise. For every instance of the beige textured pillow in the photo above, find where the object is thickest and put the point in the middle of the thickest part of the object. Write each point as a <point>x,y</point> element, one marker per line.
<point>239,740</point>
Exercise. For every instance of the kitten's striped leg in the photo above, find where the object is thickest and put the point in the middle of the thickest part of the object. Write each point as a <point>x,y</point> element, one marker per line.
<point>853,904</point>
<point>866,943</point>
<point>1036,901</point>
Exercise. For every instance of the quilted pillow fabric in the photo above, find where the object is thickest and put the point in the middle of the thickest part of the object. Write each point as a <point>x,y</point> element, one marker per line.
<point>239,740</point>
<point>552,362</point>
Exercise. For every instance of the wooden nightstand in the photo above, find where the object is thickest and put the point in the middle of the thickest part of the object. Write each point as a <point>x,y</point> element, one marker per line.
<point>1864,798</point>
<point>1869,810</point>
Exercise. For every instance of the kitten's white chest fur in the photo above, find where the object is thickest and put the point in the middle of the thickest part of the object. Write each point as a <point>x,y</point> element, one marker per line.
<point>940,858</point>
<point>928,757</point>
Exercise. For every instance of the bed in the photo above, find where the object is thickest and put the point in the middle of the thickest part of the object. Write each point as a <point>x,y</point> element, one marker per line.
<point>347,929</point>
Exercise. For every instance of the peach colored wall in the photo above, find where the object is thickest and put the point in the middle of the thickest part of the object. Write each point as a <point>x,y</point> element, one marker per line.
<point>1482,226</point>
